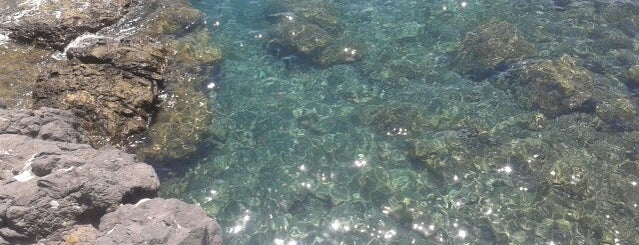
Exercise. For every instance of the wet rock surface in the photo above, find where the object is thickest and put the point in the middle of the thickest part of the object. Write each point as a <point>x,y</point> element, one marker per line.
<point>120,104</point>
<point>21,65</point>
<point>55,190</point>
<point>563,86</point>
<point>114,62</point>
<point>556,86</point>
<point>53,24</point>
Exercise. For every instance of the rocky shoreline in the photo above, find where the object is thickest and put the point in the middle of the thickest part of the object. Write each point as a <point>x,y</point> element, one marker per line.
<point>122,67</point>
<point>55,190</point>
<point>123,76</point>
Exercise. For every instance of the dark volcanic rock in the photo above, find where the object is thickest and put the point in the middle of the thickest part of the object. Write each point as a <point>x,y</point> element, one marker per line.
<point>158,221</point>
<point>56,191</point>
<point>47,186</point>
<point>45,124</point>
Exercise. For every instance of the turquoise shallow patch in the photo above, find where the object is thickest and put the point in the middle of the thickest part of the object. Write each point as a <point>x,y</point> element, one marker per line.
<point>403,147</point>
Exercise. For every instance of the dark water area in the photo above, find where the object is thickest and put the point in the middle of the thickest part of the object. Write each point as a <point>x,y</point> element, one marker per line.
<point>422,122</point>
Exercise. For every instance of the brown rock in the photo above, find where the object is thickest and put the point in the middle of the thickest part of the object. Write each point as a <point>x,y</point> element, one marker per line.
<point>111,104</point>
<point>311,29</point>
<point>489,45</point>
<point>21,65</point>
<point>118,53</point>
<point>555,86</point>
<point>138,57</point>
<point>53,24</point>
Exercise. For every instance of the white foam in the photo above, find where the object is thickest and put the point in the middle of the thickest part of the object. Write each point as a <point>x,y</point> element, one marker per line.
<point>34,4</point>
<point>78,42</point>
<point>26,174</point>
<point>4,38</point>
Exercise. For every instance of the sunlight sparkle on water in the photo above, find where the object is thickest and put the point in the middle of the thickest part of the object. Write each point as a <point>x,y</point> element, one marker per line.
<point>278,241</point>
<point>241,223</point>
<point>361,161</point>
<point>306,185</point>
<point>506,169</point>
<point>303,168</point>
<point>462,234</point>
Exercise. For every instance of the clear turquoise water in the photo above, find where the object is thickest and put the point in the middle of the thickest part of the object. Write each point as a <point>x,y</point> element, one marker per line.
<point>326,155</point>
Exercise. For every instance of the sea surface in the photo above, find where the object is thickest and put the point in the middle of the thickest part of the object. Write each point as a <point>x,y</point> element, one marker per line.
<point>409,141</point>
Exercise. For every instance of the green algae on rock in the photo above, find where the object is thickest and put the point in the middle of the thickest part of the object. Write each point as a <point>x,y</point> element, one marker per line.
<point>179,127</point>
<point>183,117</point>
<point>175,18</point>
<point>134,59</point>
<point>563,86</point>
<point>490,44</point>
<point>555,86</point>
<point>21,65</point>
<point>311,29</point>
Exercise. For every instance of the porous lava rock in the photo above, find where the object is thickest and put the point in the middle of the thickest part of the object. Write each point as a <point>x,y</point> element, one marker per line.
<point>158,221</point>
<point>56,190</point>
<point>47,186</point>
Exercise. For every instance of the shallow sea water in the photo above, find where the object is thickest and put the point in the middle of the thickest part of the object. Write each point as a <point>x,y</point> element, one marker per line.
<point>399,148</point>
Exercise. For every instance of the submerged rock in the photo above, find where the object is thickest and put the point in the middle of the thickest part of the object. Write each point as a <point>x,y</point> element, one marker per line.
<point>633,75</point>
<point>189,110</point>
<point>21,66</point>
<point>555,86</point>
<point>563,86</point>
<point>489,45</point>
<point>311,29</point>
